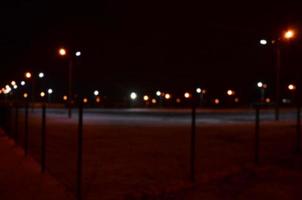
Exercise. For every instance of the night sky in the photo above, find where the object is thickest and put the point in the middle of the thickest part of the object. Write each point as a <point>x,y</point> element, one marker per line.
<point>148,44</point>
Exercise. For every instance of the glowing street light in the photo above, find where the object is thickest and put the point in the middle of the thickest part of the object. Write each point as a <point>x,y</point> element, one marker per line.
<point>167,96</point>
<point>22,83</point>
<point>260,84</point>
<point>62,52</point>
<point>263,42</point>
<point>98,99</point>
<point>15,87</point>
<point>42,94</point>
<point>133,96</point>
<point>146,98</point>
<point>27,75</point>
<point>65,98</point>
<point>25,95</point>
<point>154,101</point>
<point>7,89</point>
<point>262,87</point>
<point>41,75</point>
<point>50,91</point>
<point>158,93</point>
<point>216,101</point>
<point>187,95</point>
<point>198,90</point>
<point>13,83</point>
<point>78,53</point>
<point>289,34</point>
<point>230,92</point>
<point>291,87</point>
<point>85,100</point>
<point>96,92</point>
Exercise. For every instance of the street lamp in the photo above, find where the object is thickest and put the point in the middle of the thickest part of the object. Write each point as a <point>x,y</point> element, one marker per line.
<point>167,96</point>
<point>50,91</point>
<point>22,83</point>
<point>41,75</point>
<point>287,35</point>
<point>291,87</point>
<point>262,87</point>
<point>158,93</point>
<point>263,42</point>
<point>28,75</point>
<point>63,52</point>
<point>42,94</point>
<point>230,93</point>
<point>13,83</point>
<point>78,53</point>
<point>259,84</point>
<point>146,98</point>
<point>133,96</point>
<point>96,92</point>
<point>187,95</point>
<point>198,90</point>
<point>85,100</point>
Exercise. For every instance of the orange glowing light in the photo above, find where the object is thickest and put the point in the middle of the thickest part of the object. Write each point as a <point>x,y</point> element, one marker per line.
<point>65,98</point>
<point>27,75</point>
<point>85,100</point>
<point>187,95</point>
<point>146,98</point>
<point>216,101</point>
<point>62,52</point>
<point>291,87</point>
<point>289,34</point>
<point>42,94</point>
<point>230,92</point>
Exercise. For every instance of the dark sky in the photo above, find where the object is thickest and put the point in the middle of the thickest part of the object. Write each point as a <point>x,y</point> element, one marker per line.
<point>147,43</point>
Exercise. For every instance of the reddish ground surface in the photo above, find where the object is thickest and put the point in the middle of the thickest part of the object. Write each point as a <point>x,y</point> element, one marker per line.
<point>20,177</point>
<point>151,161</point>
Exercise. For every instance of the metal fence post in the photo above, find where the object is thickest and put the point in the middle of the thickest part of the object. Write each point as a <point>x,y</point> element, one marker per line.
<point>193,142</point>
<point>80,153</point>
<point>43,138</point>
<point>257,135</point>
<point>26,129</point>
<point>298,129</point>
<point>10,122</point>
<point>16,124</point>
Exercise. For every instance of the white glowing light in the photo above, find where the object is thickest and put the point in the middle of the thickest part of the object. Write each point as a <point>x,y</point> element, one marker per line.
<point>133,95</point>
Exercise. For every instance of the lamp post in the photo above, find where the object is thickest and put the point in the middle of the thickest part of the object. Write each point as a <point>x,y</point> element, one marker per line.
<point>262,87</point>
<point>49,92</point>
<point>286,36</point>
<point>63,52</point>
